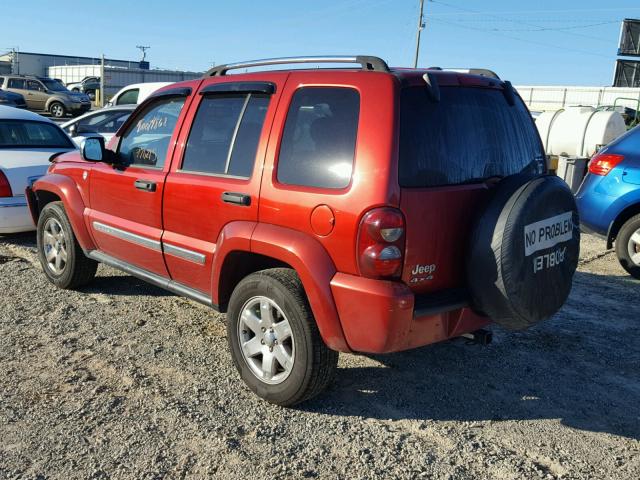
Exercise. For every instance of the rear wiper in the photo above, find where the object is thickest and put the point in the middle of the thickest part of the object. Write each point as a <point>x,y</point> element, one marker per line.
<point>482,179</point>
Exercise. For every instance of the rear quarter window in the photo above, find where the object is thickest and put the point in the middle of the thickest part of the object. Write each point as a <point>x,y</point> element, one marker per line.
<point>319,139</point>
<point>470,135</point>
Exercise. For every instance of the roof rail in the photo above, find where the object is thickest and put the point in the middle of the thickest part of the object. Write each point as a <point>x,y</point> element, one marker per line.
<point>366,62</point>
<point>484,72</point>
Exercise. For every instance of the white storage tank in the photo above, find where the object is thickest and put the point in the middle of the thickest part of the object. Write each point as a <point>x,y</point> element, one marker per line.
<point>578,131</point>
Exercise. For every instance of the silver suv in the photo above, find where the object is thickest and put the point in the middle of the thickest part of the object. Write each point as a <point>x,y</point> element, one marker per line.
<point>46,94</point>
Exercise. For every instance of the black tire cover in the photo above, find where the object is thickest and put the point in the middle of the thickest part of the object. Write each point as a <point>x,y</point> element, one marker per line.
<point>524,251</point>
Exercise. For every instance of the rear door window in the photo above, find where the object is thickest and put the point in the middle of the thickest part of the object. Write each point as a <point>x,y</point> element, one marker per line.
<point>25,134</point>
<point>319,139</point>
<point>17,83</point>
<point>470,135</point>
<point>225,134</point>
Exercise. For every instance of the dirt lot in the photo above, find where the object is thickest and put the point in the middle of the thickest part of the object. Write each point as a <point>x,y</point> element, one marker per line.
<point>124,380</point>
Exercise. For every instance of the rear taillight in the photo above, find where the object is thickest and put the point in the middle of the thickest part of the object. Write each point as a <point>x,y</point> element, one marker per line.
<point>381,243</point>
<point>604,163</point>
<point>5,188</point>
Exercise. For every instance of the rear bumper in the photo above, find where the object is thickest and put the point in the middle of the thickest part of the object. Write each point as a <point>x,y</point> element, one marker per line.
<point>380,317</point>
<point>15,216</point>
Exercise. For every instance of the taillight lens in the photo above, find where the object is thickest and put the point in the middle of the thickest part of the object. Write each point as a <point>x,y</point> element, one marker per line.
<point>604,163</point>
<point>381,243</point>
<point>5,188</point>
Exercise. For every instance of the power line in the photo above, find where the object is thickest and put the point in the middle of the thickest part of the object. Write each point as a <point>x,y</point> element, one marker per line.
<point>527,12</point>
<point>534,42</point>
<point>517,21</point>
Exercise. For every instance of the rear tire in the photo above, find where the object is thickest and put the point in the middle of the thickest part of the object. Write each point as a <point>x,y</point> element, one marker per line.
<point>628,246</point>
<point>274,340</point>
<point>57,110</point>
<point>62,259</point>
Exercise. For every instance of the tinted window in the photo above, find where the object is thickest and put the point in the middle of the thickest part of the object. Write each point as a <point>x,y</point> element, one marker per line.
<point>147,140</point>
<point>225,134</point>
<point>16,83</point>
<point>319,138</point>
<point>1,81</point>
<point>33,85</point>
<point>18,133</point>
<point>130,97</point>
<point>471,134</point>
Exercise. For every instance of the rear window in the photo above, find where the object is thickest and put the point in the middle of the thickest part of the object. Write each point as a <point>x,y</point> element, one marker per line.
<point>319,138</point>
<point>470,135</point>
<point>130,97</point>
<point>21,134</point>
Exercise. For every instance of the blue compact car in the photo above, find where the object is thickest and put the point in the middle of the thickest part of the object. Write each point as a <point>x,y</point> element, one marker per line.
<point>609,198</point>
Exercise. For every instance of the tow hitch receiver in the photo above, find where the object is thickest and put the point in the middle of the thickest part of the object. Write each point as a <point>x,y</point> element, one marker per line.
<point>479,337</point>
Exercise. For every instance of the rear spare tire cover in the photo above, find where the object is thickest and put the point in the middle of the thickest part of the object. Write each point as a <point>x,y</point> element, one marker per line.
<point>524,251</point>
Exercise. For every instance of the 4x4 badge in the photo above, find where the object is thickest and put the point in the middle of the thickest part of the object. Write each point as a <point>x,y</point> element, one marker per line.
<point>425,273</point>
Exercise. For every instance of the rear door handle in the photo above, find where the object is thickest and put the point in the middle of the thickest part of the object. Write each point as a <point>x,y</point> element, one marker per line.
<point>145,185</point>
<point>236,198</point>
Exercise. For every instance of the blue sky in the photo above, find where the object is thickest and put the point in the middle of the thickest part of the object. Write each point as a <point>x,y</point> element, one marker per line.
<point>571,42</point>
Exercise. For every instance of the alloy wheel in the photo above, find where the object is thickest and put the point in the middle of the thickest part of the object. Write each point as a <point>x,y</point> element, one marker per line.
<point>266,340</point>
<point>634,247</point>
<point>54,244</point>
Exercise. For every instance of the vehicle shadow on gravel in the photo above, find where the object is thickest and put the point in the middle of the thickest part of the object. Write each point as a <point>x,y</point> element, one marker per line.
<point>581,367</point>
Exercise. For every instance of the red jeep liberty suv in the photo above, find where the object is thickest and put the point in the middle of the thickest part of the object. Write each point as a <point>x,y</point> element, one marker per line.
<point>355,209</point>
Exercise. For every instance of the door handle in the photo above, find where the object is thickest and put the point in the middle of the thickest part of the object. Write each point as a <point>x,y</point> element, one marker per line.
<point>236,198</point>
<point>145,185</point>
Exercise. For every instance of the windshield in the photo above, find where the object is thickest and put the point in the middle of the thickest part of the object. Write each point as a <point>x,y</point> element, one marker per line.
<point>470,135</point>
<point>53,85</point>
<point>21,134</point>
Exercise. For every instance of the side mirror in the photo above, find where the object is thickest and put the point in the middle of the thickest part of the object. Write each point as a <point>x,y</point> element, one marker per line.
<point>93,149</point>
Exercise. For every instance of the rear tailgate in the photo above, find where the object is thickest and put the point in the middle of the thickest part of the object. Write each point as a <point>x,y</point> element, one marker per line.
<point>450,151</point>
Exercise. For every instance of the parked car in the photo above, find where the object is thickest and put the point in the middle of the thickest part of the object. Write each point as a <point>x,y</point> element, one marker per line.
<point>136,93</point>
<point>10,99</point>
<point>609,198</point>
<point>46,94</point>
<point>27,141</point>
<point>104,122</point>
<point>87,85</point>
<point>323,210</point>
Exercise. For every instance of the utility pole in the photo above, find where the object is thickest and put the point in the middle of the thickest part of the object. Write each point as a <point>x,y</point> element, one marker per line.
<point>144,51</point>
<point>102,81</point>
<point>420,27</point>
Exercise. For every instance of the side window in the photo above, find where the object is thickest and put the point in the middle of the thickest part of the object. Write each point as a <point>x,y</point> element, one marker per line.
<point>225,134</point>
<point>16,83</point>
<point>1,81</point>
<point>146,141</point>
<point>130,97</point>
<point>319,139</point>
<point>34,86</point>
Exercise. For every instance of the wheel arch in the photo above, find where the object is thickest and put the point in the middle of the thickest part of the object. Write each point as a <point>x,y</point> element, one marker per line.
<point>54,187</point>
<point>246,247</point>
<point>615,226</point>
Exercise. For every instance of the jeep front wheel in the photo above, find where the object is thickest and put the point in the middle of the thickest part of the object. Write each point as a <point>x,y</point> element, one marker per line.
<point>63,261</point>
<point>274,340</point>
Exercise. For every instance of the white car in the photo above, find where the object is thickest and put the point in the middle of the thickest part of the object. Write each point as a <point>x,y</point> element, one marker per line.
<point>27,141</point>
<point>104,122</point>
<point>135,93</point>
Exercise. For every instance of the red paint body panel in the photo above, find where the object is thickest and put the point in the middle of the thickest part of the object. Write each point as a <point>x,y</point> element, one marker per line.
<point>194,213</point>
<point>378,316</point>
<point>438,225</point>
<point>315,269</point>
<point>67,189</point>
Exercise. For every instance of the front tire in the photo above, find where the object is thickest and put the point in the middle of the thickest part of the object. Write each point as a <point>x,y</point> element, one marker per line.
<point>628,246</point>
<point>62,259</point>
<point>274,340</point>
<point>57,110</point>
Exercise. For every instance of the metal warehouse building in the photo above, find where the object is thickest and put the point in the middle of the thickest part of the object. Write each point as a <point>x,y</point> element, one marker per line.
<point>28,63</point>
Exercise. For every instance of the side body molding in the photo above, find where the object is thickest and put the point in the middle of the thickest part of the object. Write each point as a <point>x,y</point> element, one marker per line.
<point>315,268</point>
<point>65,188</point>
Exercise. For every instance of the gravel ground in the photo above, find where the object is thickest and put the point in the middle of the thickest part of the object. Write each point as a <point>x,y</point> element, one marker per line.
<point>124,380</point>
